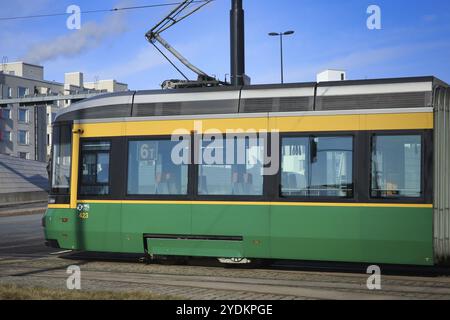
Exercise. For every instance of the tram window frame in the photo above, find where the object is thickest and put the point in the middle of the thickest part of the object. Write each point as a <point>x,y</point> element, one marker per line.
<point>320,199</point>
<point>426,189</point>
<point>233,198</point>
<point>80,169</point>
<point>131,197</point>
<point>57,137</point>
<point>187,196</point>
<point>230,197</point>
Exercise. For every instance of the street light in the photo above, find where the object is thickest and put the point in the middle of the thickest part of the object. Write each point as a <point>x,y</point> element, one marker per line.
<point>276,34</point>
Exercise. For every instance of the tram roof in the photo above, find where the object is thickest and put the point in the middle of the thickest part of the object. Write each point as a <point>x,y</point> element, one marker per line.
<point>392,93</point>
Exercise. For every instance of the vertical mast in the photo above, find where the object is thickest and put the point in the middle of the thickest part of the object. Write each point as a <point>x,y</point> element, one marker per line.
<point>237,43</point>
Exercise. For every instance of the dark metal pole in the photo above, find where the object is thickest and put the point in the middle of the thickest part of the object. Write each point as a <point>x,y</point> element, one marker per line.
<point>237,24</point>
<point>282,62</point>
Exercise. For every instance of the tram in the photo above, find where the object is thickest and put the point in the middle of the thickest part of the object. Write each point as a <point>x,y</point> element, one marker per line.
<point>347,171</point>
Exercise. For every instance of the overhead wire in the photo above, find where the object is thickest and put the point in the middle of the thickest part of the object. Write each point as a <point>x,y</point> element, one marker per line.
<point>100,10</point>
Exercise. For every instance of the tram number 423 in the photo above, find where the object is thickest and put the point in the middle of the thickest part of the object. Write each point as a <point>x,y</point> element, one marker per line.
<point>83,211</point>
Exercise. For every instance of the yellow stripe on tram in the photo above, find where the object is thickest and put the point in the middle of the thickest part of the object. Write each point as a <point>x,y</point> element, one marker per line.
<point>369,122</point>
<point>59,206</point>
<point>238,203</point>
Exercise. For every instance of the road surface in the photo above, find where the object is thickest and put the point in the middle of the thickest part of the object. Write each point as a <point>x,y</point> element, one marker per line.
<point>22,235</point>
<point>25,261</point>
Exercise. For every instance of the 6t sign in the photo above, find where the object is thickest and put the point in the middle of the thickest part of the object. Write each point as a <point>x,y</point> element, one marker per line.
<point>148,151</point>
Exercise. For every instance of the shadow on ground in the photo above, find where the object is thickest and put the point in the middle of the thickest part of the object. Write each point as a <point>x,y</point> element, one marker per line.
<point>282,265</point>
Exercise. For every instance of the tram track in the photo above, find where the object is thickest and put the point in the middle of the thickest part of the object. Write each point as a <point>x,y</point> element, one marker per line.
<point>279,283</point>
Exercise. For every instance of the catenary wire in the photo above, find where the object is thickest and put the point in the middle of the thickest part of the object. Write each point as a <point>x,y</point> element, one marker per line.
<point>99,10</point>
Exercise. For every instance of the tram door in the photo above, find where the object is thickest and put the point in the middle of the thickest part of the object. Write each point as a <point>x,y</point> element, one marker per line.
<point>99,218</point>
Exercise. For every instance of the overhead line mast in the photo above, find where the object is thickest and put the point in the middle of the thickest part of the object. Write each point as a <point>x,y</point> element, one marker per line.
<point>237,43</point>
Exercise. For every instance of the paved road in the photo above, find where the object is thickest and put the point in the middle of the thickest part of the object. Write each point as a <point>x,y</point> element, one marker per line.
<point>22,235</point>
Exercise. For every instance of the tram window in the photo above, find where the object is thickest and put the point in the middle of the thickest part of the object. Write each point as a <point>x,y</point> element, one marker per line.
<point>152,171</point>
<point>95,168</point>
<point>231,167</point>
<point>61,159</point>
<point>396,166</point>
<point>317,167</point>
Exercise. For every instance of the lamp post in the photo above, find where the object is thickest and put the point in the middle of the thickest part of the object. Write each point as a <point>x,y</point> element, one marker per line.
<point>281,35</point>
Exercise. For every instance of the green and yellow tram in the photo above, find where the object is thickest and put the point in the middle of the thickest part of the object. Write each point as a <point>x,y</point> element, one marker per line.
<point>351,171</point>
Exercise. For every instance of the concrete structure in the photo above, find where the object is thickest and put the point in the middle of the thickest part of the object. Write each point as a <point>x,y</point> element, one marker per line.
<point>25,70</point>
<point>26,119</point>
<point>332,75</point>
<point>22,181</point>
<point>107,85</point>
<point>23,130</point>
<point>74,79</point>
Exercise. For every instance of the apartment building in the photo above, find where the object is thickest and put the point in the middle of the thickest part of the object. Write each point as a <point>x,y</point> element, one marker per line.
<point>26,131</point>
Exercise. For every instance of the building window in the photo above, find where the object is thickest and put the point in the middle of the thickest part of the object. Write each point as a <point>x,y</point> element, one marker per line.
<point>152,171</point>
<point>10,92</point>
<point>95,167</point>
<point>5,114</point>
<point>317,167</point>
<point>23,137</point>
<point>22,92</point>
<point>396,166</point>
<point>24,116</point>
<point>6,136</point>
<point>24,155</point>
<point>234,167</point>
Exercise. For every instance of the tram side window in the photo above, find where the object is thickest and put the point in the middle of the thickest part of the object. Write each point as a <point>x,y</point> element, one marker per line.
<point>231,167</point>
<point>152,171</point>
<point>61,159</point>
<point>95,168</point>
<point>317,167</point>
<point>396,166</point>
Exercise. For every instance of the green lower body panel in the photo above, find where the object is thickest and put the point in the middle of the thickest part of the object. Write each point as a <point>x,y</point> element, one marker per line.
<point>195,248</point>
<point>341,234</point>
<point>349,234</point>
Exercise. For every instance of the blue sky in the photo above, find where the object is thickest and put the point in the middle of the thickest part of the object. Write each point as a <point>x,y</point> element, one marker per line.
<point>414,40</point>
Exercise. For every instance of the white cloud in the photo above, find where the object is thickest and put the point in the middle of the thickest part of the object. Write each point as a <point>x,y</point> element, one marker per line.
<point>146,59</point>
<point>91,35</point>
